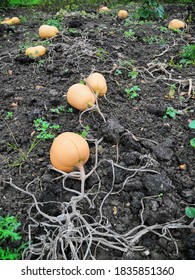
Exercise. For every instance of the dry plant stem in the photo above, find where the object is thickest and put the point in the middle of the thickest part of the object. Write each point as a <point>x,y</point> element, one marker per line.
<point>75,232</point>
<point>93,108</point>
<point>72,231</point>
<point>190,88</point>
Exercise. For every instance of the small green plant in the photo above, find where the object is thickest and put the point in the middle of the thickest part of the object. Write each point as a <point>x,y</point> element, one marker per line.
<point>190,212</point>
<point>70,110</point>
<point>58,110</point>
<point>163,29</point>
<point>133,74</point>
<point>45,129</point>
<point>8,233</point>
<point>9,115</point>
<point>151,9</point>
<point>101,53</point>
<point>72,30</point>
<point>188,55</point>
<point>154,40</point>
<point>118,72</point>
<point>175,65</point>
<point>192,125</point>
<point>55,22</point>
<point>41,61</point>
<point>171,112</point>
<point>85,131</point>
<point>132,92</point>
<point>129,34</point>
<point>171,93</point>
<point>26,44</point>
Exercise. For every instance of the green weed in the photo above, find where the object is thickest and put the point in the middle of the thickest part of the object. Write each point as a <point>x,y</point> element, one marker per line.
<point>188,55</point>
<point>9,232</point>
<point>132,92</point>
<point>45,129</point>
<point>192,125</point>
<point>151,9</point>
<point>9,115</point>
<point>55,22</point>
<point>171,112</point>
<point>129,34</point>
<point>85,131</point>
<point>58,110</point>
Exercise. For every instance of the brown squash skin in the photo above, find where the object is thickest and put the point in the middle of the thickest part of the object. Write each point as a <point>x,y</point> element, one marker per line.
<point>176,24</point>
<point>68,151</point>
<point>35,52</point>
<point>122,14</point>
<point>97,83</point>
<point>47,31</point>
<point>80,97</point>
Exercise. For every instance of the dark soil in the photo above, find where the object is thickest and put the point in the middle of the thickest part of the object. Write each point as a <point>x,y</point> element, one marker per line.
<point>155,195</point>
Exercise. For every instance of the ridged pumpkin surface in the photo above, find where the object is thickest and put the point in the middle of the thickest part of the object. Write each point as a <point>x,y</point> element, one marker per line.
<point>68,151</point>
<point>97,83</point>
<point>80,97</point>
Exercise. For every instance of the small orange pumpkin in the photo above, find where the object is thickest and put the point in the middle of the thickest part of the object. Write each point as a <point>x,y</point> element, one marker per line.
<point>103,9</point>
<point>97,83</point>
<point>11,21</point>
<point>69,151</point>
<point>6,21</point>
<point>176,24</point>
<point>47,31</point>
<point>35,52</point>
<point>80,97</point>
<point>15,21</point>
<point>122,14</point>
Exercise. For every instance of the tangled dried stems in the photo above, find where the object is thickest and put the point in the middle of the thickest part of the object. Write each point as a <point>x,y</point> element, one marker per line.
<point>75,234</point>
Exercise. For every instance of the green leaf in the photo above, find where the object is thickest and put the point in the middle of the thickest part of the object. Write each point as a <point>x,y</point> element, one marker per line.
<point>192,124</point>
<point>192,142</point>
<point>190,212</point>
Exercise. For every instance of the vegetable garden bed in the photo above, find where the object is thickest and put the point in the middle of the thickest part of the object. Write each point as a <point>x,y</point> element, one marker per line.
<point>141,169</point>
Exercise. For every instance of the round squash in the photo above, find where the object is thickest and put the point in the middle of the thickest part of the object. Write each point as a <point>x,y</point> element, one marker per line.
<point>122,14</point>
<point>97,83</point>
<point>35,52</point>
<point>176,24</point>
<point>6,21</point>
<point>15,21</point>
<point>80,97</point>
<point>103,9</point>
<point>11,21</point>
<point>69,150</point>
<point>47,31</point>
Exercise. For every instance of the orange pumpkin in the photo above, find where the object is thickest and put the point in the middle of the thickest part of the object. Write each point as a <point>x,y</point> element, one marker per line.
<point>80,97</point>
<point>103,9</point>
<point>123,14</point>
<point>69,151</point>
<point>6,21</point>
<point>11,21</point>
<point>47,31</point>
<point>176,24</point>
<point>97,83</point>
<point>15,21</point>
<point>35,52</point>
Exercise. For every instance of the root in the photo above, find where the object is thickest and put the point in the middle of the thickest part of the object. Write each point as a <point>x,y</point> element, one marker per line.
<point>74,234</point>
